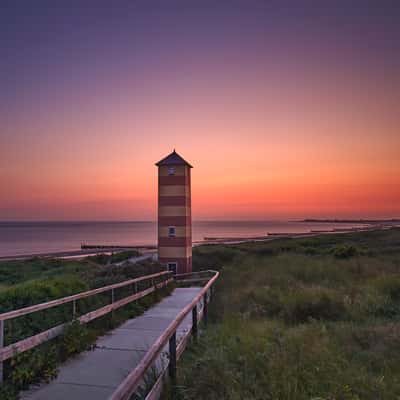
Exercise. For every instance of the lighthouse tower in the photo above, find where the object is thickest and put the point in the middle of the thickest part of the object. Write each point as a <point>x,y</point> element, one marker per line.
<point>174,214</point>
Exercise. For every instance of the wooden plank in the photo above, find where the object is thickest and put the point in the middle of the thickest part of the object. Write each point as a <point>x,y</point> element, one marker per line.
<point>113,306</point>
<point>132,381</point>
<point>33,341</point>
<point>198,274</point>
<point>57,302</point>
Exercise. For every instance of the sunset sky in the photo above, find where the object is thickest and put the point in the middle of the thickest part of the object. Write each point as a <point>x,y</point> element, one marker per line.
<point>285,111</point>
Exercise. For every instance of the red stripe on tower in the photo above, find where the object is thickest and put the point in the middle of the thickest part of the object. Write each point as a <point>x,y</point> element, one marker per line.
<point>174,213</point>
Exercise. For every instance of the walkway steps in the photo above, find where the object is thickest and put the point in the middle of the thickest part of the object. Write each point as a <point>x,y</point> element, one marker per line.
<point>94,375</point>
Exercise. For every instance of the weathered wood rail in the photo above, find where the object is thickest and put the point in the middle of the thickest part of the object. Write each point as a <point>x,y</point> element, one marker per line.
<point>132,382</point>
<point>155,281</point>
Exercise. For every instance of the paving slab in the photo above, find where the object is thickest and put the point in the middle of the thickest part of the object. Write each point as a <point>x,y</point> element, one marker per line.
<point>148,323</point>
<point>100,367</point>
<point>127,339</point>
<point>96,374</point>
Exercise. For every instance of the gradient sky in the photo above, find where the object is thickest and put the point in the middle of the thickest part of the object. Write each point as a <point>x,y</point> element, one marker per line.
<point>285,109</point>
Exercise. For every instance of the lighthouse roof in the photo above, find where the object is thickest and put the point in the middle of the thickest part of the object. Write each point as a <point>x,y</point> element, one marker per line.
<point>173,159</point>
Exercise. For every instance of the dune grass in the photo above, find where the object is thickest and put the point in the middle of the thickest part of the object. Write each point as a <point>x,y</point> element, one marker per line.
<point>293,319</point>
<point>25,283</point>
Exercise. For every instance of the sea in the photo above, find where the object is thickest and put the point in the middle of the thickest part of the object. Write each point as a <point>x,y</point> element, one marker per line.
<point>19,238</point>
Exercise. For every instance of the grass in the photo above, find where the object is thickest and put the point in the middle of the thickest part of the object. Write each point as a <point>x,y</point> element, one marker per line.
<point>14,272</point>
<point>25,283</point>
<point>296,319</point>
<point>115,257</point>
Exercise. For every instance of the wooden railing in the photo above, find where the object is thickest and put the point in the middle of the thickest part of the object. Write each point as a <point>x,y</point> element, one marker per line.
<point>156,281</point>
<point>132,382</point>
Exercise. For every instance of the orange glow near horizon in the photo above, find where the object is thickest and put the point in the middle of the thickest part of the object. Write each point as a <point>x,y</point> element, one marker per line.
<point>286,134</point>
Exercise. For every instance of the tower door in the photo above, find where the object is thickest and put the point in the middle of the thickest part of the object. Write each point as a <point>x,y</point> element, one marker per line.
<point>173,266</point>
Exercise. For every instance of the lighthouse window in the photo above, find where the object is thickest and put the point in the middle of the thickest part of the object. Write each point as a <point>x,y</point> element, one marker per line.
<point>171,231</point>
<point>171,171</point>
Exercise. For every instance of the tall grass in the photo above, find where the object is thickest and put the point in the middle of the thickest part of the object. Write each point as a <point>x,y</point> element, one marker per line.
<point>296,319</point>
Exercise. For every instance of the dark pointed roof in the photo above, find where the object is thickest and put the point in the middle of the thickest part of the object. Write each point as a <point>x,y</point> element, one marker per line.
<point>173,159</point>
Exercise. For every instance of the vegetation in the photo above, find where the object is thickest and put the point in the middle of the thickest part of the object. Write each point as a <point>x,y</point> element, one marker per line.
<point>114,257</point>
<point>25,283</point>
<point>293,319</point>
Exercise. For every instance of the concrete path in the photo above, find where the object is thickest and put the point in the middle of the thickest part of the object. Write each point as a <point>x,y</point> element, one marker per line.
<point>94,375</point>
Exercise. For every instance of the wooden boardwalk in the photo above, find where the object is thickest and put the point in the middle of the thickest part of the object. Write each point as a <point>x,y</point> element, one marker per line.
<point>94,375</point>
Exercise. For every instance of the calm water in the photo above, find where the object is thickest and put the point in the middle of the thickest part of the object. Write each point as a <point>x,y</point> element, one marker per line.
<point>41,237</point>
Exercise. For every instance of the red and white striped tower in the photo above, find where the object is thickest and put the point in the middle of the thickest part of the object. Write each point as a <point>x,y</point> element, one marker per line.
<point>174,213</point>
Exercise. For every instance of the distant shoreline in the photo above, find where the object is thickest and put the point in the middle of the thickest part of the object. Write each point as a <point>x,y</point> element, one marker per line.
<point>78,254</point>
<point>353,221</point>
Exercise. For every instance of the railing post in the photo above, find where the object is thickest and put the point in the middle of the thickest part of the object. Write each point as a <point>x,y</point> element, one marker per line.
<point>205,309</point>
<point>73,309</point>
<point>1,346</point>
<point>172,357</point>
<point>112,301</point>
<point>194,322</point>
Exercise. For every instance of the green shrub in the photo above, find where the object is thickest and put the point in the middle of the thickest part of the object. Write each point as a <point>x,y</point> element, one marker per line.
<point>310,251</point>
<point>75,339</point>
<point>345,251</point>
<point>33,366</point>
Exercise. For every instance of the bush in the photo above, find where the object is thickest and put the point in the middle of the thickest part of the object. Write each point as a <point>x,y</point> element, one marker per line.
<point>311,251</point>
<point>345,251</point>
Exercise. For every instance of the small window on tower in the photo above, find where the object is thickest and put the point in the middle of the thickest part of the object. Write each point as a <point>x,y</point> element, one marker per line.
<point>171,231</point>
<point>171,171</point>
